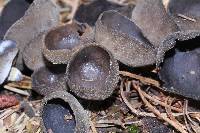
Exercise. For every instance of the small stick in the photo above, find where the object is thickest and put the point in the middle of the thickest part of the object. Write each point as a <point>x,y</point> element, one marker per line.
<point>169,108</point>
<point>7,113</point>
<point>16,90</point>
<point>23,85</point>
<point>113,122</point>
<point>155,111</point>
<point>185,119</point>
<point>93,128</point>
<point>133,110</point>
<point>141,78</point>
<point>186,17</point>
<point>105,123</point>
<point>160,103</point>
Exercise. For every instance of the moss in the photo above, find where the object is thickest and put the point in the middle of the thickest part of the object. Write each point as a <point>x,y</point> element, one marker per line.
<point>133,129</point>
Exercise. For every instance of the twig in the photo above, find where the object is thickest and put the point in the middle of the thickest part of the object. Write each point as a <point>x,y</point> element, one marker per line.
<point>21,84</point>
<point>192,123</point>
<point>133,110</point>
<point>113,122</point>
<point>16,90</point>
<point>177,126</point>
<point>185,119</point>
<point>160,103</point>
<point>141,78</point>
<point>7,113</point>
<point>93,128</point>
<point>186,112</point>
<point>186,17</point>
<point>169,109</point>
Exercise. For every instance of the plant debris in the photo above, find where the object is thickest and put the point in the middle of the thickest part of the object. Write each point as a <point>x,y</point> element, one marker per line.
<point>102,66</point>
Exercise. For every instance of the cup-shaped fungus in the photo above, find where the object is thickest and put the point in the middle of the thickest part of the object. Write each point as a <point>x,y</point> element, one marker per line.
<point>6,20</point>
<point>36,20</point>
<point>61,41</point>
<point>48,79</point>
<point>62,113</point>
<point>32,55</point>
<point>8,52</point>
<point>92,72</point>
<point>180,70</point>
<point>156,25</point>
<point>84,15</point>
<point>186,14</point>
<point>124,39</point>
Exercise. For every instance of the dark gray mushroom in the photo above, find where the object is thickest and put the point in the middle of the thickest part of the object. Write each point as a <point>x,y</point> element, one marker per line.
<point>180,70</point>
<point>84,15</point>
<point>62,113</point>
<point>40,17</point>
<point>186,14</point>
<point>49,79</point>
<point>8,52</point>
<point>156,25</point>
<point>124,39</point>
<point>92,72</point>
<point>10,16</point>
<point>32,54</point>
<point>60,41</point>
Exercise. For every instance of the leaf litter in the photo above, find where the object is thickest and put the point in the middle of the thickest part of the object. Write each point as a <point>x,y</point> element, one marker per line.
<point>138,104</point>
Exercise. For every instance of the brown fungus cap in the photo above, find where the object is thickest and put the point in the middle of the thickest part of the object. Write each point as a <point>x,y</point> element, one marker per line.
<point>60,41</point>
<point>180,70</point>
<point>186,13</point>
<point>92,72</point>
<point>156,25</point>
<point>61,112</point>
<point>84,15</point>
<point>32,55</point>
<point>40,17</point>
<point>48,79</point>
<point>124,39</point>
<point>9,16</point>
<point>8,52</point>
<point>152,18</point>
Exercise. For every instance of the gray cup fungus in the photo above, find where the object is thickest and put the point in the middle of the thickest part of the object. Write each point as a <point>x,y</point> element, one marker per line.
<point>92,72</point>
<point>32,55</point>
<point>60,41</point>
<point>124,39</point>
<point>180,70</point>
<point>62,113</point>
<point>46,80</point>
<point>35,21</point>
<point>84,15</point>
<point>176,28</point>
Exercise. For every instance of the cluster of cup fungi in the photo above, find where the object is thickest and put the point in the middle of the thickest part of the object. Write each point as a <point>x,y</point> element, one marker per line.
<point>81,59</point>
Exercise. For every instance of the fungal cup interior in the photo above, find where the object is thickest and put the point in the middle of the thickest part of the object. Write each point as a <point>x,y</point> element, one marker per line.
<point>48,76</point>
<point>63,37</point>
<point>58,117</point>
<point>121,24</point>
<point>49,79</point>
<point>90,68</point>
